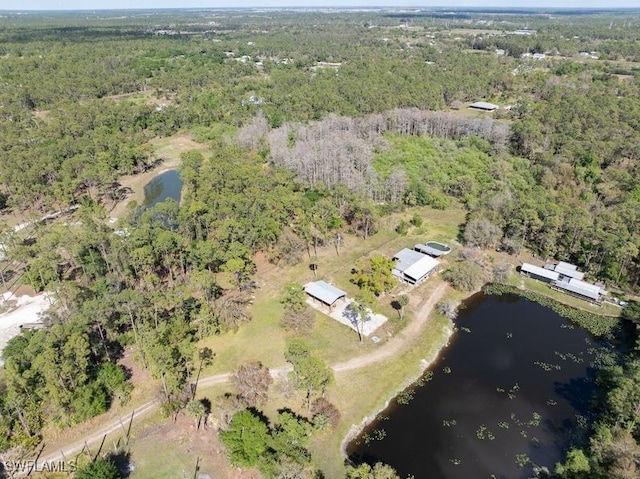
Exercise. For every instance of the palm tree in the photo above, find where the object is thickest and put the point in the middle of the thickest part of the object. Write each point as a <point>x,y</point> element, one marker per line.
<point>196,410</point>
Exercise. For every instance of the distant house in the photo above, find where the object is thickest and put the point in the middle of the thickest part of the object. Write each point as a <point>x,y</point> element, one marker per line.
<point>522,32</point>
<point>484,106</point>
<point>541,274</point>
<point>324,292</point>
<point>413,267</point>
<point>539,56</point>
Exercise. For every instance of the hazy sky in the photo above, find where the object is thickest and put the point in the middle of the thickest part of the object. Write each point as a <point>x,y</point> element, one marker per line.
<point>105,4</point>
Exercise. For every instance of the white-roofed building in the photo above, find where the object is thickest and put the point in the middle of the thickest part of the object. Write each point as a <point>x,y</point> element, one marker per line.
<point>484,106</point>
<point>413,267</point>
<point>568,270</point>
<point>324,292</point>
<point>581,289</point>
<point>541,274</point>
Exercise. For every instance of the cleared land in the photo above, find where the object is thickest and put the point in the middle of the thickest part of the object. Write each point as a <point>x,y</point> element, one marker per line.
<point>167,151</point>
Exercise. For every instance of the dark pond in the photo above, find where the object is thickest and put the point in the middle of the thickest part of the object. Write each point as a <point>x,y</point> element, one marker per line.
<point>509,392</point>
<point>165,185</point>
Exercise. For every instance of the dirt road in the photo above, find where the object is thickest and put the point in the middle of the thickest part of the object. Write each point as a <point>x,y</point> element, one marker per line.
<point>392,348</point>
<point>399,342</point>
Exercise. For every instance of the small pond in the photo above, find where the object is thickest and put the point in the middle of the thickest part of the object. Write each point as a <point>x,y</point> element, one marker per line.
<point>510,391</point>
<point>166,185</point>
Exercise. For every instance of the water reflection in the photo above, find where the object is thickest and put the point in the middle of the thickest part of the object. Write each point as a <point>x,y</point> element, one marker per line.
<point>163,186</point>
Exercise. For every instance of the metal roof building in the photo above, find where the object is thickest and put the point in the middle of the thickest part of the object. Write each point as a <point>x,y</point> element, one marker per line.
<point>569,270</point>
<point>581,288</point>
<point>483,105</point>
<point>537,272</point>
<point>324,292</point>
<point>413,266</point>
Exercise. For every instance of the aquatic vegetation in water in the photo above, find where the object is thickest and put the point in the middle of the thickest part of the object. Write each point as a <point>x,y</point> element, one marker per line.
<point>547,366</point>
<point>465,329</point>
<point>484,433</point>
<point>522,460</point>
<point>426,377</point>
<point>535,427</point>
<point>569,357</point>
<point>405,396</point>
<point>535,421</point>
<point>376,435</point>
<point>512,391</point>
<point>582,422</point>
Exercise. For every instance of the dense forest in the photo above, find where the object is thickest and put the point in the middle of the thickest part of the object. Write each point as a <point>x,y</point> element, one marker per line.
<point>316,125</point>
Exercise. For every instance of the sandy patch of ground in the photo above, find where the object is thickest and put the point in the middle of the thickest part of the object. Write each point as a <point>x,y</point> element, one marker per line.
<point>24,309</point>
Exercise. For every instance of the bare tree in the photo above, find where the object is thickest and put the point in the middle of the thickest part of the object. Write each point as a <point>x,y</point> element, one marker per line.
<point>252,381</point>
<point>321,406</point>
<point>249,136</point>
<point>300,321</point>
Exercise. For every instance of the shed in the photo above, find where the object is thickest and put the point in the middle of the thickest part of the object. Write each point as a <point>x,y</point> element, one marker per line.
<point>569,270</point>
<point>324,292</point>
<point>413,266</point>
<point>541,274</point>
<point>484,106</point>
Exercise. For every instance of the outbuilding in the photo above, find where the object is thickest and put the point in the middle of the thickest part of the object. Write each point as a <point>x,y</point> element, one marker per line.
<point>324,292</point>
<point>580,289</point>
<point>433,248</point>
<point>484,106</point>
<point>568,270</point>
<point>541,274</point>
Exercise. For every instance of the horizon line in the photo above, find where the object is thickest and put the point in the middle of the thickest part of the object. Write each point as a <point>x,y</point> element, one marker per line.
<point>329,6</point>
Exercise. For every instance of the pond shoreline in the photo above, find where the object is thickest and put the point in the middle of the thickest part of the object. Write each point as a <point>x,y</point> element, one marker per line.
<point>400,432</point>
<point>356,429</point>
<point>489,289</point>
